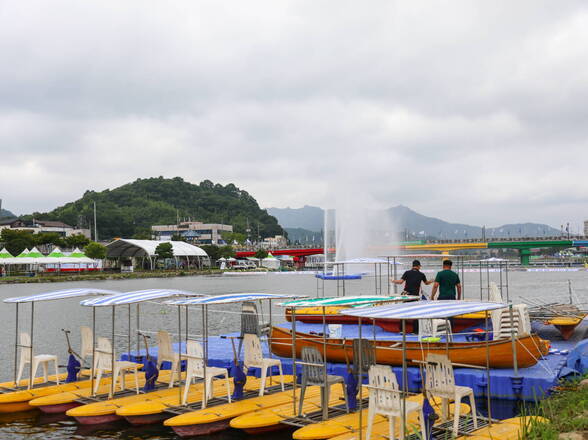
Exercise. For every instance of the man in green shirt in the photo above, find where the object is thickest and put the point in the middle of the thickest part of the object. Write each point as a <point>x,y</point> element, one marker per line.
<point>447,281</point>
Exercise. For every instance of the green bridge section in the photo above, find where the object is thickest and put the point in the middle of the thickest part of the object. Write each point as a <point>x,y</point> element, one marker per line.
<point>525,247</point>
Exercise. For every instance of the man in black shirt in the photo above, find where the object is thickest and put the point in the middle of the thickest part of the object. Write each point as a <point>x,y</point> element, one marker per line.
<point>412,279</point>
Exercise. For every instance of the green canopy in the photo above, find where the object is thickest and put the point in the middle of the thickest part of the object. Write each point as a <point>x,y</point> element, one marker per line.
<point>351,301</point>
<point>23,254</point>
<point>5,254</point>
<point>77,253</point>
<point>34,253</point>
<point>56,253</point>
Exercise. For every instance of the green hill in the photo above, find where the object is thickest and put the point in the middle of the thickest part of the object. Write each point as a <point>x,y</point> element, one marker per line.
<point>130,210</point>
<point>5,214</point>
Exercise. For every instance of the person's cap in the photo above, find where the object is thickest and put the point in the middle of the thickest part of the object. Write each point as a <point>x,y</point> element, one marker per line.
<point>416,263</point>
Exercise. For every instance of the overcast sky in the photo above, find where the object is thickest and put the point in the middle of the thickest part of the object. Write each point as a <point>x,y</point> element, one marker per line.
<point>469,111</point>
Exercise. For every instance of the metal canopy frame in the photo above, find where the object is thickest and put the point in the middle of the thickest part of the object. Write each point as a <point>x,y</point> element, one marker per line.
<point>128,298</point>
<point>394,258</point>
<point>46,296</point>
<point>402,312</point>
<point>204,302</point>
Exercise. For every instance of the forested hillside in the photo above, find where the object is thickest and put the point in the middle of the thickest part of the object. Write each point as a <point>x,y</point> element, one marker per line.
<point>131,209</point>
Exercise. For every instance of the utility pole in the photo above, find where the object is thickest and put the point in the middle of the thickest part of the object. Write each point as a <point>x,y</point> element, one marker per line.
<point>95,226</point>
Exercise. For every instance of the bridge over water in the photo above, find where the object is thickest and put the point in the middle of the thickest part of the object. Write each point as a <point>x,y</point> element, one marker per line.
<point>524,246</point>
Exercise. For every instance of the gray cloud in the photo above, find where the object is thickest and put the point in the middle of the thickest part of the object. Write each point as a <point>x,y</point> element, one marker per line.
<point>471,111</point>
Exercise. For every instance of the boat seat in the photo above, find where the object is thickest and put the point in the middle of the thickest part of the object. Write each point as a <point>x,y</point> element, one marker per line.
<point>313,374</point>
<point>254,358</point>
<point>250,323</point>
<point>385,399</point>
<point>195,370</point>
<point>87,342</point>
<point>165,353</point>
<point>40,359</point>
<point>103,362</point>
<point>368,355</point>
<point>494,293</point>
<point>432,328</point>
<point>440,382</point>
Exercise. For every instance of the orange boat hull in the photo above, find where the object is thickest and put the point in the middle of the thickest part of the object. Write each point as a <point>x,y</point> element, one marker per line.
<point>529,349</point>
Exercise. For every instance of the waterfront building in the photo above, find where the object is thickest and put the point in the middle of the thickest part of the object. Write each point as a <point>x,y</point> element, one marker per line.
<point>192,232</point>
<point>276,242</point>
<point>585,228</point>
<point>40,226</point>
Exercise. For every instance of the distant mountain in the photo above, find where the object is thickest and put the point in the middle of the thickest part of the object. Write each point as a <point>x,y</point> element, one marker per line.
<point>307,217</point>
<point>130,210</point>
<point>5,214</point>
<point>411,225</point>
<point>304,236</point>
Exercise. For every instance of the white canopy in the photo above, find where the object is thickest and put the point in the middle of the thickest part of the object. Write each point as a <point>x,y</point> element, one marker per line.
<point>146,248</point>
<point>366,260</point>
<point>60,294</point>
<point>424,309</point>
<point>229,298</point>
<point>136,296</point>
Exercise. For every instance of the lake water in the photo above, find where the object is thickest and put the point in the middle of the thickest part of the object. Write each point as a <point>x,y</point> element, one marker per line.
<point>50,317</point>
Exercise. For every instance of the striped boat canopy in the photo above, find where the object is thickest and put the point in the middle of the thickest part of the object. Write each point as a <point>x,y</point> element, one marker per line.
<point>424,309</point>
<point>229,298</point>
<point>347,301</point>
<point>60,294</point>
<point>136,296</point>
<point>366,260</point>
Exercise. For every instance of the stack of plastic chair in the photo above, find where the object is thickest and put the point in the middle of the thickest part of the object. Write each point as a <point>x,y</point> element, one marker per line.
<point>313,374</point>
<point>254,359</point>
<point>39,359</point>
<point>103,362</point>
<point>440,382</point>
<point>165,353</point>
<point>503,326</point>
<point>433,328</point>
<point>195,370</point>
<point>385,399</point>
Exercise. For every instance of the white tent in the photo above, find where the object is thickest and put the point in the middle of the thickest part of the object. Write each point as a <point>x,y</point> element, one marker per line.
<point>270,262</point>
<point>146,248</point>
<point>131,248</point>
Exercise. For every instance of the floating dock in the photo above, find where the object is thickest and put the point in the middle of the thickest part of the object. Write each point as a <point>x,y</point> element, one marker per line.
<point>565,358</point>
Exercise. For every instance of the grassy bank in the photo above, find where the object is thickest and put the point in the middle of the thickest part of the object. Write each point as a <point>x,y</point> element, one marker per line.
<point>567,412</point>
<point>59,278</point>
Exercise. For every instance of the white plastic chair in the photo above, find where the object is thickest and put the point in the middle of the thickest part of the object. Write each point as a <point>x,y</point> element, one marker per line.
<point>440,382</point>
<point>103,362</point>
<point>165,352</point>
<point>195,370</point>
<point>39,359</point>
<point>434,328</point>
<point>254,358</point>
<point>87,341</point>
<point>385,399</point>
<point>494,294</point>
